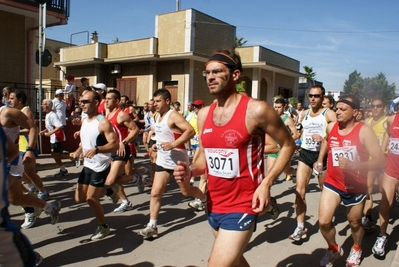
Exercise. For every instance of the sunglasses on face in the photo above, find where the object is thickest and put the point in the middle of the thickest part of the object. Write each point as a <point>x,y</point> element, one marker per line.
<point>85,101</point>
<point>315,96</point>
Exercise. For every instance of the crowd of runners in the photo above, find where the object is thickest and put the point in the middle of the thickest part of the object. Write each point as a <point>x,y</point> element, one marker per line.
<point>343,145</point>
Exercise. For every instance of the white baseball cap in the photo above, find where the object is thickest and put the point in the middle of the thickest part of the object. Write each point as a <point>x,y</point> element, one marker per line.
<point>100,86</point>
<point>58,92</point>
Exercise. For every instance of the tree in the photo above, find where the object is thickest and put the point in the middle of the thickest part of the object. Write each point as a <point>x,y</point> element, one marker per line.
<point>369,88</point>
<point>240,42</point>
<point>354,85</point>
<point>309,73</point>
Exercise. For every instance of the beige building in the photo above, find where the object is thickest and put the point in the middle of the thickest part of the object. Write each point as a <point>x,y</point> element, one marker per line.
<point>174,59</point>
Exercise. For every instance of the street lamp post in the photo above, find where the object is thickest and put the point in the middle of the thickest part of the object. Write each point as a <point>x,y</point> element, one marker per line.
<point>42,45</point>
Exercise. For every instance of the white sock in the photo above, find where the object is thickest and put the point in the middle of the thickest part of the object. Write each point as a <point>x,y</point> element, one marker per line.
<point>301,225</point>
<point>125,201</point>
<point>62,168</point>
<point>153,223</point>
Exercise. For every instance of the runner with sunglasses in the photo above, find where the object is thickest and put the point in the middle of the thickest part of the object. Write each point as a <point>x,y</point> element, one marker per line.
<point>314,125</point>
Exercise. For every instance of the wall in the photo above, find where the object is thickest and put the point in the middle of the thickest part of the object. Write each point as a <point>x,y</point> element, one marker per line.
<point>12,48</point>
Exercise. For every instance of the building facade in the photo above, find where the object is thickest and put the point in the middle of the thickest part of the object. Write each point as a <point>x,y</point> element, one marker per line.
<point>174,59</point>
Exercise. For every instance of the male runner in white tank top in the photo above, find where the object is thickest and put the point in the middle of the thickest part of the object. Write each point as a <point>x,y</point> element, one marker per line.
<point>98,140</point>
<point>172,131</point>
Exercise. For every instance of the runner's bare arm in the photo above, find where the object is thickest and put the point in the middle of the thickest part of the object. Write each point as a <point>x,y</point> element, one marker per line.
<point>177,123</point>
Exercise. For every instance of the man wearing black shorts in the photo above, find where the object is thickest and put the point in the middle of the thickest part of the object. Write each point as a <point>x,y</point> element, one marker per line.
<point>97,143</point>
<point>314,125</point>
<point>126,131</point>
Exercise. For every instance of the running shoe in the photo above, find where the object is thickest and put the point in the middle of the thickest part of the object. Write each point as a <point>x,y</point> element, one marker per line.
<point>275,211</point>
<point>125,206</point>
<point>197,204</point>
<point>30,218</point>
<point>149,232</point>
<point>43,196</point>
<point>299,234</point>
<point>39,258</point>
<point>368,224</point>
<point>138,181</point>
<point>379,245</point>
<point>61,173</point>
<point>354,258</point>
<point>55,211</point>
<point>100,233</point>
<point>114,197</point>
<point>330,257</point>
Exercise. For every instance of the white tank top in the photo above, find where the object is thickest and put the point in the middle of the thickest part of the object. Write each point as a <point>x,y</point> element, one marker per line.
<point>313,125</point>
<point>168,159</point>
<point>90,137</point>
<point>13,132</point>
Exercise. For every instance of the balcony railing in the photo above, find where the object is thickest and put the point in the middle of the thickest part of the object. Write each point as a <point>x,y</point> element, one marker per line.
<point>60,6</point>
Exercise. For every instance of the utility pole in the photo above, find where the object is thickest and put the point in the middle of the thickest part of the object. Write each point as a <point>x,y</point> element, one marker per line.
<point>42,45</point>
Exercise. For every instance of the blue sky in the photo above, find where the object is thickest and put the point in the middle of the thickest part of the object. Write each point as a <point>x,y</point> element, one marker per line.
<point>333,37</point>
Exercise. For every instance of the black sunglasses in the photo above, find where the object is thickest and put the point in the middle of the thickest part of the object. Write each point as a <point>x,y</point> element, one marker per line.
<point>85,101</point>
<point>315,96</point>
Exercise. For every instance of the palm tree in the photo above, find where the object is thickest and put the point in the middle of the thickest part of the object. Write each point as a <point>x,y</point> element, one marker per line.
<point>310,76</point>
<point>309,73</point>
<point>240,42</point>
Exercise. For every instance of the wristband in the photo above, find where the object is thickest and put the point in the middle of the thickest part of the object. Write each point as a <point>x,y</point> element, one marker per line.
<point>28,148</point>
<point>96,149</point>
<point>124,142</point>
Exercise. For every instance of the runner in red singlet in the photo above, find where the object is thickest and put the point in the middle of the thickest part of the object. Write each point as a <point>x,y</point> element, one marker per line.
<point>126,131</point>
<point>232,131</point>
<point>389,182</point>
<point>350,144</point>
<point>101,89</point>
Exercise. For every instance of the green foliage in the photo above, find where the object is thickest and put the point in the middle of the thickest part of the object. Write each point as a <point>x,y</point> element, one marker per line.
<point>240,87</point>
<point>309,73</point>
<point>369,88</point>
<point>240,42</point>
<point>293,101</point>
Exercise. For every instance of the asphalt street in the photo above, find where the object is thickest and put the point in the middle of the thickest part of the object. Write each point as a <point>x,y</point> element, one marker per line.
<point>185,238</point>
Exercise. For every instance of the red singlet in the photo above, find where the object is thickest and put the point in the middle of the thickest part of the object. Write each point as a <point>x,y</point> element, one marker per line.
<point>101,107</point>
<point>392,168</point>
<point>350,147</point>
<point>120,129</point>
<point>234,162</point>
